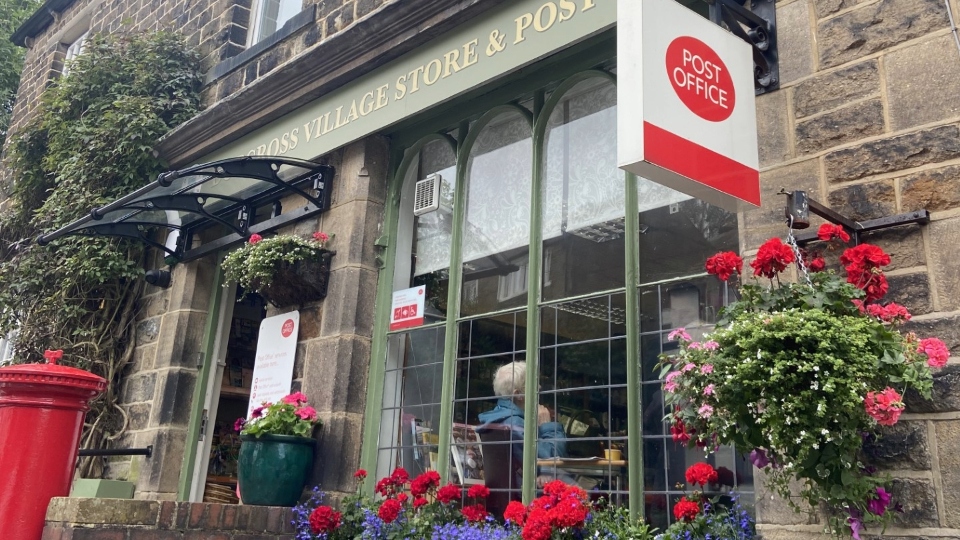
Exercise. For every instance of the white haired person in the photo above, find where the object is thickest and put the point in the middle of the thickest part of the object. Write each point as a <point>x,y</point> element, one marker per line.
<point>508,385</point>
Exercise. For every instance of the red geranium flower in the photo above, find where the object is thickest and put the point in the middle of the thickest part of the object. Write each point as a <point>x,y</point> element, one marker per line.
<point>360,474</point>
<point>478,491</point>
<point>937,352</point>
<point>419,501</point>
<point>516,512</point>
<point>474,513</point>
<point>773,258</point>
<point>424,483</point>
<point>686,510</point>
<point>389,510</point>
<point>254,238</point>
<point>724,264</point>
<point>701,474</point>
<point>448,493</point>
<point>829,231</point>
<point>324,519</point>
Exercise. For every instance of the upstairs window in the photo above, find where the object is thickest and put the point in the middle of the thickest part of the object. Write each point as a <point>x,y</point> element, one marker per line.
<point>270,15</point>
<point>75,48</point>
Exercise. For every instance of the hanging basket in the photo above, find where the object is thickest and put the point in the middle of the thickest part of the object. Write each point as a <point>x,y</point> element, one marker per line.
<point>300,282</point>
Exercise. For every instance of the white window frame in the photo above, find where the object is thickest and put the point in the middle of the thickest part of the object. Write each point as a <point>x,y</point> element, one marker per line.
<point>74,50</point>
<point>256,22</point>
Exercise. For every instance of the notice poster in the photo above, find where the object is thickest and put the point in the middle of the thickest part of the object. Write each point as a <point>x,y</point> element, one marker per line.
<point>406,310</point>
<point>276,349</point>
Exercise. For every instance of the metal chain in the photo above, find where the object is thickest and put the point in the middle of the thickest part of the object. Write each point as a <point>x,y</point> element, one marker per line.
<point>792,242</point>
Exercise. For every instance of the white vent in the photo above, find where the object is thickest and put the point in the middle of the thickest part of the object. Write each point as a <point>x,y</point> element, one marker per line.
<point>426,197</point>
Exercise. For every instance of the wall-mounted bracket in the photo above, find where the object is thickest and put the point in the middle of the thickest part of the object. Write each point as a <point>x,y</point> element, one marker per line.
<point>799,207</point>
<point>758,27</point>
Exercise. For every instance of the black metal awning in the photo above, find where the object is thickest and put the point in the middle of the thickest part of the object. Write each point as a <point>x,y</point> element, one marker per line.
<point>218,204</point>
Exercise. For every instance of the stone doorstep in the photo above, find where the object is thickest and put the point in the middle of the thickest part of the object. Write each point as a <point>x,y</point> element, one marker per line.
<point>227,520</point>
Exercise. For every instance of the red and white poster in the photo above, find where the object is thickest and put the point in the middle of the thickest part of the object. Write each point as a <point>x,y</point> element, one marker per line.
<point>686,116</point>
<point>276,350</point>
<point>406,310</point>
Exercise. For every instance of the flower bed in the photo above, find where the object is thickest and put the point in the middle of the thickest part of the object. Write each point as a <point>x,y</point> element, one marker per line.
<point>422,509</point>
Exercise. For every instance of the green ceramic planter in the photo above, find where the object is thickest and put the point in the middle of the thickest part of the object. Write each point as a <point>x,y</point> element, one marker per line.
<point>273,468</point>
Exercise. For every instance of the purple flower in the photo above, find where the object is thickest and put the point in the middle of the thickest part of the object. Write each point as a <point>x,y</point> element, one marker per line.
<point>759,458</point>
<point>879,505</point>
<point>855,523</point>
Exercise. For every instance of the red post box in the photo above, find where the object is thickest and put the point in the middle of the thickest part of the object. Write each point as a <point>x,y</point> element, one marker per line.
<point>42,407</point>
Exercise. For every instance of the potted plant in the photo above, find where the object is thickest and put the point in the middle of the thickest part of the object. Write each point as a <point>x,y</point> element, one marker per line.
<point>285,269</point>
<point>799,374</point>
<point>276,451</point>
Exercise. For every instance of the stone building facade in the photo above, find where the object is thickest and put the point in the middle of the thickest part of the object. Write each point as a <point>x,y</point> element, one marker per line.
<point>865,120</point>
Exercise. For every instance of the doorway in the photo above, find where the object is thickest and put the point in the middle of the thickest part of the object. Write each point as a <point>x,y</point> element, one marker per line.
<point>227,396</point>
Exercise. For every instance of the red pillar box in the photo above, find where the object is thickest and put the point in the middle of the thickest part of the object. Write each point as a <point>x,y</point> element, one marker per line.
<point>42,407</point>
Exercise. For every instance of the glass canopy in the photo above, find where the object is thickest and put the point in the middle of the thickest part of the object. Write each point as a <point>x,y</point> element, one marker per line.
<point>222,195</point>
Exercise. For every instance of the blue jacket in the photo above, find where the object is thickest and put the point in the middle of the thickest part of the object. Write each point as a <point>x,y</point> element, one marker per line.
<point>552,438</point>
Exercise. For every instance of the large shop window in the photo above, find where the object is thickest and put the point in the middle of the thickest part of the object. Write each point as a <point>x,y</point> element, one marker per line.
<point>566,152</point>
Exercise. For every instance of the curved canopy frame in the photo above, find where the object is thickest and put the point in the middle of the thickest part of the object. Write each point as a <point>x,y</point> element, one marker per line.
<point>225,193</point>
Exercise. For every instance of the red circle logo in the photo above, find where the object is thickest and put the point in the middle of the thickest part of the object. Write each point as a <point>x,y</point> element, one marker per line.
<point>287,328</point>
<point>700,79</point>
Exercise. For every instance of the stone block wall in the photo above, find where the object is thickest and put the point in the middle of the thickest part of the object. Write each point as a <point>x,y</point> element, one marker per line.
<point>867,122</point>
<point>115,519</point>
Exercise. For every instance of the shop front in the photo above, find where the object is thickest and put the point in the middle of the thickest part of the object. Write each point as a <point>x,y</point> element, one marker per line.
<point>501,290</point>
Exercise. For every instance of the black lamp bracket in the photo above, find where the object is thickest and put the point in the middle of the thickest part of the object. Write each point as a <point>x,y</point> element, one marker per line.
<point>758,27</point>
<point>799,206</point>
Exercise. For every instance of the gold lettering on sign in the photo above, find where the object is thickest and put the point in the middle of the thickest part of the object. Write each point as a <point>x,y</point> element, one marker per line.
<point>362,104</point>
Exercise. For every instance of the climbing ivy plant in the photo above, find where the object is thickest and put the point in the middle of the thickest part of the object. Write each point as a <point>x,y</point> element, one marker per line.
<point>90,142</point>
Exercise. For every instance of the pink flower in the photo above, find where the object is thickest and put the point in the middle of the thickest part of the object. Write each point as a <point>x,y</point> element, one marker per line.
<point>884,407</point>
<point>694,345</point>
<point>689,367</point>
<point>321,236</point>
<point>889,313</point>
<point>258,412</point>
<point>705,411</point>
<point>711,345</point>
<point>708,391</point>
<point>936,351</point>
<point>254,238</point>
<point>238,425</point>
<point>669,384</point>
<point>679,333</point>
<point>706,368</point>
<point>296,398</point>
<point>307,413</point>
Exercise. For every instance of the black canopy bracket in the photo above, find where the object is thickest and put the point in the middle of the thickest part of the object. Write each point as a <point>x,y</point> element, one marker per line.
<point>758,27</point>
<point>238,197</point>
<point>799,206</point>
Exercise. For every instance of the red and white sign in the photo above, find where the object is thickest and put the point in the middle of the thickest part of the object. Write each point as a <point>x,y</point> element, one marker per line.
<point>276,350</point>
<point>406,310</point>
<point>686,116</point>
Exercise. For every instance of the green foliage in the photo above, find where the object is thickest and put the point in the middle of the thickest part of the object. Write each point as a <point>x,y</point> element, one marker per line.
<point>254,265</point>
<point>12,14</point>
<point>289,416</point>
<point>786,373</point>
<point>89,143</point>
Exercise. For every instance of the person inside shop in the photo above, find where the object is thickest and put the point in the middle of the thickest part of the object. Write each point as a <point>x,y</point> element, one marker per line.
<point>508,385</point>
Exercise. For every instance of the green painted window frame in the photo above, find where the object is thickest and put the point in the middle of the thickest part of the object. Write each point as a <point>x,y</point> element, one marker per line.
<point>404,158</point>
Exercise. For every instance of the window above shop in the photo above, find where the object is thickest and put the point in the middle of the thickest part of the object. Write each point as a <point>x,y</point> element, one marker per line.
<point>269,16</point>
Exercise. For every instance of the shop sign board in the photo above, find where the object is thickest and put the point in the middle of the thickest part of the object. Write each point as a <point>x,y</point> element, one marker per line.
<point>488,47</point>
<point>276,349</point>
<point>686,116</point>
<point>406,309</point>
